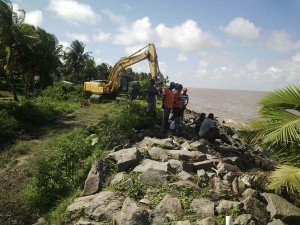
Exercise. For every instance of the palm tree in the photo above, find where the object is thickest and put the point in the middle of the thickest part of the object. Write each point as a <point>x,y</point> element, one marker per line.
<point>10,22</point>
<point>278,130</point>
<point>75,58</point>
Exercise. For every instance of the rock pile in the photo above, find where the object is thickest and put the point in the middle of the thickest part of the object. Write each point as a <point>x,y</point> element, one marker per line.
<point>182,182</point>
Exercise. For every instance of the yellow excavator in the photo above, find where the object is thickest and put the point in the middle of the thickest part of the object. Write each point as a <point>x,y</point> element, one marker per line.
<point>117,83</point>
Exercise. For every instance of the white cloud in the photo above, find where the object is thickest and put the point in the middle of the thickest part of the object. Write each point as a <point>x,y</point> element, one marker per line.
<point>79,37</point>
<point>187,37</point>
<point>73,11</point>
<point>34,18</point>
<point>118,19</point>
<point>280,41</point>
<point>64,44</point>
<point>182,57</point>
<point>243,28</point>
<point>296,58</point>
<point>137,32</point>
<point>101,36</point>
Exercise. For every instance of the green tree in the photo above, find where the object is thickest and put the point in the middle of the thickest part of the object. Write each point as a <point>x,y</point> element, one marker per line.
<point>10,22</point>
<point>75,59</point>
<point>103,71</point>
<point>278,130</point>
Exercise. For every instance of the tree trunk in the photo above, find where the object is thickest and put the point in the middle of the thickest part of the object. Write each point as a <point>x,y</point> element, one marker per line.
<point>10,72</point>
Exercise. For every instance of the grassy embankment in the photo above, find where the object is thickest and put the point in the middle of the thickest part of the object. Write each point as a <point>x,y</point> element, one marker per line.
<point>46,150</point>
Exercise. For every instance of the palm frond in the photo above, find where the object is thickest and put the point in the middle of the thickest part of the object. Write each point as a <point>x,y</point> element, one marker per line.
<point>285,176</point>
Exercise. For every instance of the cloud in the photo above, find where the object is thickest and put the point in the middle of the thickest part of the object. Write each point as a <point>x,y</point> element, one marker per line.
<point>296,58</point>
<point>186,37</point>
<point>182,57</point>
<point>118,19</point>
<point>138,32</point>
<point>242,28</point>
<point>64,44</point>
<point>280,41</point>
<point>73,11</point>
<point>101,37</point>
<point>77,36</point>
<point>34,18</point>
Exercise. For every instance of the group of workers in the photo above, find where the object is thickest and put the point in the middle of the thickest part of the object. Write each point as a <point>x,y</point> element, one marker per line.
<point>174,101</point>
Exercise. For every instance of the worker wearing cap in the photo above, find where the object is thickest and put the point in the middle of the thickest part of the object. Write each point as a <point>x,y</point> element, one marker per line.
<point>185,101</point>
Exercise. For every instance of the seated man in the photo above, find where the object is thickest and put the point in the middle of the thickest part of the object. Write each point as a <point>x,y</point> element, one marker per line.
<point>198,121</point>
<point>208,129</point>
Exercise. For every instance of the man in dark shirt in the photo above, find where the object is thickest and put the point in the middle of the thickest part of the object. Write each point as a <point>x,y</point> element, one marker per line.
<point>152,92</point>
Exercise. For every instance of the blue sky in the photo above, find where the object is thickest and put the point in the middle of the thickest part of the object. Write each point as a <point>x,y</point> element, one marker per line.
<point>224,44</point>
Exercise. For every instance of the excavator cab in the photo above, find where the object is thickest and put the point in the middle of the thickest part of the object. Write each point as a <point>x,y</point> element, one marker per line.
<point>124,84</point>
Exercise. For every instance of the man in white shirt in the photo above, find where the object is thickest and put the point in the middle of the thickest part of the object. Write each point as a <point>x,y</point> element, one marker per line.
<point>208,129</point>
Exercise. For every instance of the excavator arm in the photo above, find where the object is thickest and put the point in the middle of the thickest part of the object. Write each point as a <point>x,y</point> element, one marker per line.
<point>123,63</point>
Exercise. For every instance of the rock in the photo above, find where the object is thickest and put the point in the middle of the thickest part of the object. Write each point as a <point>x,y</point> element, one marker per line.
<point>201,146</point>
<point>131,214</point>
<point>256,208</point>
<point>185,155</point>
<point>126,158</point>
<point>117,178</point>
<point>223,168</point>
<point>229,177</point>
<point>145,201</point>
<point>220,186</point>
<point>208,221</point>
<point>162,143</point>
<point>280,208</point>
<point>225,206</point>
<point>40,221</point>
<point>179,166</point>
<point>168,205</point>
<point>85,222</point>
<point>276,222</point>
<point>99,206</point>
<point>184,176</point>
<point>250,193</point>
<point>185,183</point>
<point>96,178</point>
<point>127,183</point>
<point>245,219</point>
<point>205,165</point>
<point>203,206</point>
<point>153,177</point>
<point>238,186</point>
<point>157,153</point>
<point>186,222</point>
<point>151,164</point>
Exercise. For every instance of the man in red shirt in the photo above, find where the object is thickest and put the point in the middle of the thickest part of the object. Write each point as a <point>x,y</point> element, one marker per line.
<point>177,105</point>
<point>167,104</point>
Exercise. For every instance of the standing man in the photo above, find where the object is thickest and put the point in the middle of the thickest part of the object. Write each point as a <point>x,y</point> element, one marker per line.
<point>185,101</point>
<point>151,98</point>
<point>177,106</point>
<point>167,105</point>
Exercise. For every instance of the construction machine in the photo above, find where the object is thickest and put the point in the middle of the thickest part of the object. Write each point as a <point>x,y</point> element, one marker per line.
<point>117,83</point>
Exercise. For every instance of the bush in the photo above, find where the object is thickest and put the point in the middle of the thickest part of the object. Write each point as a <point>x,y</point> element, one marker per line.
<point>65,92</point>
<point>9,126</point>
<point>60,172</point>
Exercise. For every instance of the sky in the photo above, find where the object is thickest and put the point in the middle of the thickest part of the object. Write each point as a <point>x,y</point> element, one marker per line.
<point>221,44</point>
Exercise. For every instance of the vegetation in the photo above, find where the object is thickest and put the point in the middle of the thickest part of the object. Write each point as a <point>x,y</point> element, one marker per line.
<point>277,129</point>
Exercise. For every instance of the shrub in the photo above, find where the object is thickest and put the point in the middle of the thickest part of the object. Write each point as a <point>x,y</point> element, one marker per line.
<point>9,126</point>
<point>65,92</point>
<point>60,172</point>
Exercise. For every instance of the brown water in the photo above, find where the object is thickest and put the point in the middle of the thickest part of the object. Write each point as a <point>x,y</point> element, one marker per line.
<point>235,107</point>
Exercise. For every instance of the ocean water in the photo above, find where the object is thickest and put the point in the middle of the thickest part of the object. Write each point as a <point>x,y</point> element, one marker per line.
<point>235,107</point>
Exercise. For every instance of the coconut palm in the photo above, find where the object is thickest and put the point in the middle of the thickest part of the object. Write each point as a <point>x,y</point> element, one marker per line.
<point>75,58</point>
<point>10,22</point>
<point>278,130</point>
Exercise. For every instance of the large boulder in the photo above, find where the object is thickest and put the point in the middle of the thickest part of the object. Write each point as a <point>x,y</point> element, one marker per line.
<point>256,208</point>
<point>153,177</point>
<point>280,208</point>
<point>100,206</point>
<point>245,219</point>
<point>149,142</point>
<point>126,158</point>
<point>131,214</point>
<point>203,206</point>
<point>225,206</point>
<point>152,164</point>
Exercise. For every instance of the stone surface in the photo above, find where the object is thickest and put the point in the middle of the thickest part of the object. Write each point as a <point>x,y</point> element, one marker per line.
<point>162,143</point>
<point>86,222</point>
<point>186,222</point>
<point>117,178</point>
<point>152,164</point>
<point>126,158</point>
<point>184,176</point>
<point>208,221</point>
<point>276,222</point>
<point>245,219</point>
<point>225,206</point>
<point>206,165</point>
<point>203,206</point>
<point>280,208</point>
<point>153,177</point>
<point>256,208</point>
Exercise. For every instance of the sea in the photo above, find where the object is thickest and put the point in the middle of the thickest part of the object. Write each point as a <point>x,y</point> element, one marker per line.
<point>234,107</point>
